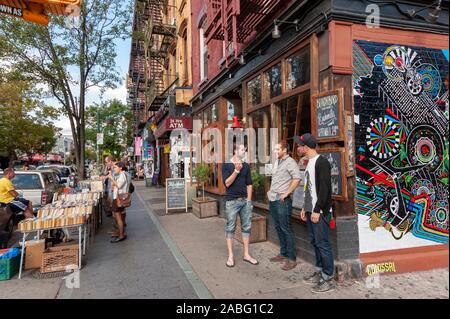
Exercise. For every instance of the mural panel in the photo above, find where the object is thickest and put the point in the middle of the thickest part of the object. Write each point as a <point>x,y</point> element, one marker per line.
<point>402,159</point>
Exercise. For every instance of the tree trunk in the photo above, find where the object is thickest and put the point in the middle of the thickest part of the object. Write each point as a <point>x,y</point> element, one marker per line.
<point>83,76</point>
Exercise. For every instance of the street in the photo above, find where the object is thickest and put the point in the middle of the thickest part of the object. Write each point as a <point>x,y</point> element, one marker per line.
<point>161,260</point>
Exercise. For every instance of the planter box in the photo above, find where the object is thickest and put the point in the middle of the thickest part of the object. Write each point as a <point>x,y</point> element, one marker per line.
<point>204,209</point>
<point>258,232</point>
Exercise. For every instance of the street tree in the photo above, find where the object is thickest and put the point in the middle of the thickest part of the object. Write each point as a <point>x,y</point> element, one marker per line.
<point>114,120</point>
<point>26,122</point>
<point>70,56</point>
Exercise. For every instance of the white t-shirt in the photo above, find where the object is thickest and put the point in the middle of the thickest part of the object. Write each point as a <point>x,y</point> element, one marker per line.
<point>310,185</point>
<point>123,182</point>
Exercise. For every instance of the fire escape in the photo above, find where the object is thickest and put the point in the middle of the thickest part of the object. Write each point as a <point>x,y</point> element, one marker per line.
<point>238,21</point>
<point>137,79</point>
<point>160,39</point>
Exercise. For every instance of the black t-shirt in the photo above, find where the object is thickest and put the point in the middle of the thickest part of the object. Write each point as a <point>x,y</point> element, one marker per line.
<point>239,187</point>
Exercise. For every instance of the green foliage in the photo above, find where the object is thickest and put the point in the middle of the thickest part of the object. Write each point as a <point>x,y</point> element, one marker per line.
<point>202,173</point>
<point>114,121</point>
<point>26,125</point>
<point>258,179</point>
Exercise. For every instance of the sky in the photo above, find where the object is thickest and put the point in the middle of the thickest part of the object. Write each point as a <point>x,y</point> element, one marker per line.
<point>122,63</point>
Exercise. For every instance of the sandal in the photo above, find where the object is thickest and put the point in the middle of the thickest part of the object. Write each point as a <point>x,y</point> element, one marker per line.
<point>230,265</point>
<point>250,262</point>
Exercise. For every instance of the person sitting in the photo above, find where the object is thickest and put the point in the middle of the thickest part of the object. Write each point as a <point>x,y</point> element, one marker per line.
<point>10,197</point>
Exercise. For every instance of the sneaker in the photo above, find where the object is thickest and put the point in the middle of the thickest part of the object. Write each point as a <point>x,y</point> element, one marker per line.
<point>312,278</point>
<point>289,264</point>
<point>324,286</point>
<point>278,258</point>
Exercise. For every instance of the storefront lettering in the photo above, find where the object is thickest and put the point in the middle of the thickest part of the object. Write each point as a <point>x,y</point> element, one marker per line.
<point>11,10</point>
<point>380,268</point>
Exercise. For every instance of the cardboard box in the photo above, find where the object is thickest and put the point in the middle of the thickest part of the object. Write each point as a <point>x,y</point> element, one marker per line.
<point>33,253</point>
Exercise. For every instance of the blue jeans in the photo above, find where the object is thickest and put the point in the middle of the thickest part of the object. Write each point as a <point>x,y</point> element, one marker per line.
<point>244,209</point>
<point>281,214</point>
<point>318,236</point>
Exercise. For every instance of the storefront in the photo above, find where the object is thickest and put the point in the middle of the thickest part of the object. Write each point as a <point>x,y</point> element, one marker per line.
<point>172,147</point>
<point>365,93</point>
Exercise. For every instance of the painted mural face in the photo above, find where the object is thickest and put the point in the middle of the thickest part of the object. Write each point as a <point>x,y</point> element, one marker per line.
<point>401,115</point>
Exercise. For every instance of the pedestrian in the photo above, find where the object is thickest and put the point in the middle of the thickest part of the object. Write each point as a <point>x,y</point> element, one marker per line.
<point>238,182</point>
<point>109,162</point>
<point>10,197</point>
<point>121,184</point>
<point>317,213</point>
<point>26,167</point>
<point>285,179</point>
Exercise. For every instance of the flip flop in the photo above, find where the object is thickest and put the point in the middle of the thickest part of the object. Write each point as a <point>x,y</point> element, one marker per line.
<point>228,265</point>
<point>248,261</point>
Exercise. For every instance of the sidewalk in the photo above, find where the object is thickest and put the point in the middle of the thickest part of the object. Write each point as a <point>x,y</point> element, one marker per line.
<point>202,243</point>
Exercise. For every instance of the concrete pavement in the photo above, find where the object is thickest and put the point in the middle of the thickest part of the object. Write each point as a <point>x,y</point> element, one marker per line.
<point>202,242</point>
<point>182,257</point>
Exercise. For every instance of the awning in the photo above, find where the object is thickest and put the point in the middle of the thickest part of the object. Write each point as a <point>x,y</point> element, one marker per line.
<point>171,123</point>
<point>37,11</point>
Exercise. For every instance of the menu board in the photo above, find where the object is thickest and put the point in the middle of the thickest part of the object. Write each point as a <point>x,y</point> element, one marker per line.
<point>176,195</point>
<point>336,158</point>
<point>298,197</point>
<point>327,113</point>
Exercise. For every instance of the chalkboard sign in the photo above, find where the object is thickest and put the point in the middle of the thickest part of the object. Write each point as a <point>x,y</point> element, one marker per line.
<point>298,197</point>
<point>336,158</point>
<point>327,116</point>
<point>176,195</point>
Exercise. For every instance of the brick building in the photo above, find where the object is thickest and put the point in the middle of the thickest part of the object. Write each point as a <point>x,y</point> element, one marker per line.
<point>370,80</point>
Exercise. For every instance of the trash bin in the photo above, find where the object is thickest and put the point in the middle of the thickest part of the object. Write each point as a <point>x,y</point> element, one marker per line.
<point>155,178</point>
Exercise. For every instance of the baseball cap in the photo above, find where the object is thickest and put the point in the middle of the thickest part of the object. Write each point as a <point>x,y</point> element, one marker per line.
<point>306,139</point>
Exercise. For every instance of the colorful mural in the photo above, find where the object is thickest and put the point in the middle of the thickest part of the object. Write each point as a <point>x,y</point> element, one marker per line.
<point>401,102</point>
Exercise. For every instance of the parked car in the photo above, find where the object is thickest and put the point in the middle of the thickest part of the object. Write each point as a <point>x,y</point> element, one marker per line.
<point>37,186</point>
<point>67,173</point>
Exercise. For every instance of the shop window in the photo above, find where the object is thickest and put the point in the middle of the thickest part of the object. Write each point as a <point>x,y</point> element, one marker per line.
<point>295,118</point>
<point>206,117</point>
<point>254,91</point>
<point>203,56</point>
<point>214,113</point>
<point>234,108</point>
<point>273,80</point>
<point>261,119</point>
<point>298,69</point>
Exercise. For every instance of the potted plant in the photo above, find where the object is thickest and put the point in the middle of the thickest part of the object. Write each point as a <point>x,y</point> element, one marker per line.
<point>259,182</point>
<point>203,207</point>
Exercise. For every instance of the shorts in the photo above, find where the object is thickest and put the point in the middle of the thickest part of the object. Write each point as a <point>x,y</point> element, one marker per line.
<point>19,205</point>
<point>116,209</point>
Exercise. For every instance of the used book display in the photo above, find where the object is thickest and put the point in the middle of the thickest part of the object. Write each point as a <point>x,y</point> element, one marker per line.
<point>69,210</point>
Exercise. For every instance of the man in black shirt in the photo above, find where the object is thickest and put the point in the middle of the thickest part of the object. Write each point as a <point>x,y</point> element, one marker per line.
<point>317,213</point>
<point>238,182</point>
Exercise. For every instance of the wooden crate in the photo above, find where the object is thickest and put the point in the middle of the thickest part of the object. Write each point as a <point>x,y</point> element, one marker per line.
<point>58,258</point>
<point>258,231</point>
<point>204,209</point>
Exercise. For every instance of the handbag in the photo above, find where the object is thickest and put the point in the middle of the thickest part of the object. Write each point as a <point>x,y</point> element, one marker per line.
<point>124,199</point>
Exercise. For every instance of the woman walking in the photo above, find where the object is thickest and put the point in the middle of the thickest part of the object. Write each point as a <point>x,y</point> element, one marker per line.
<point>120,186</point>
